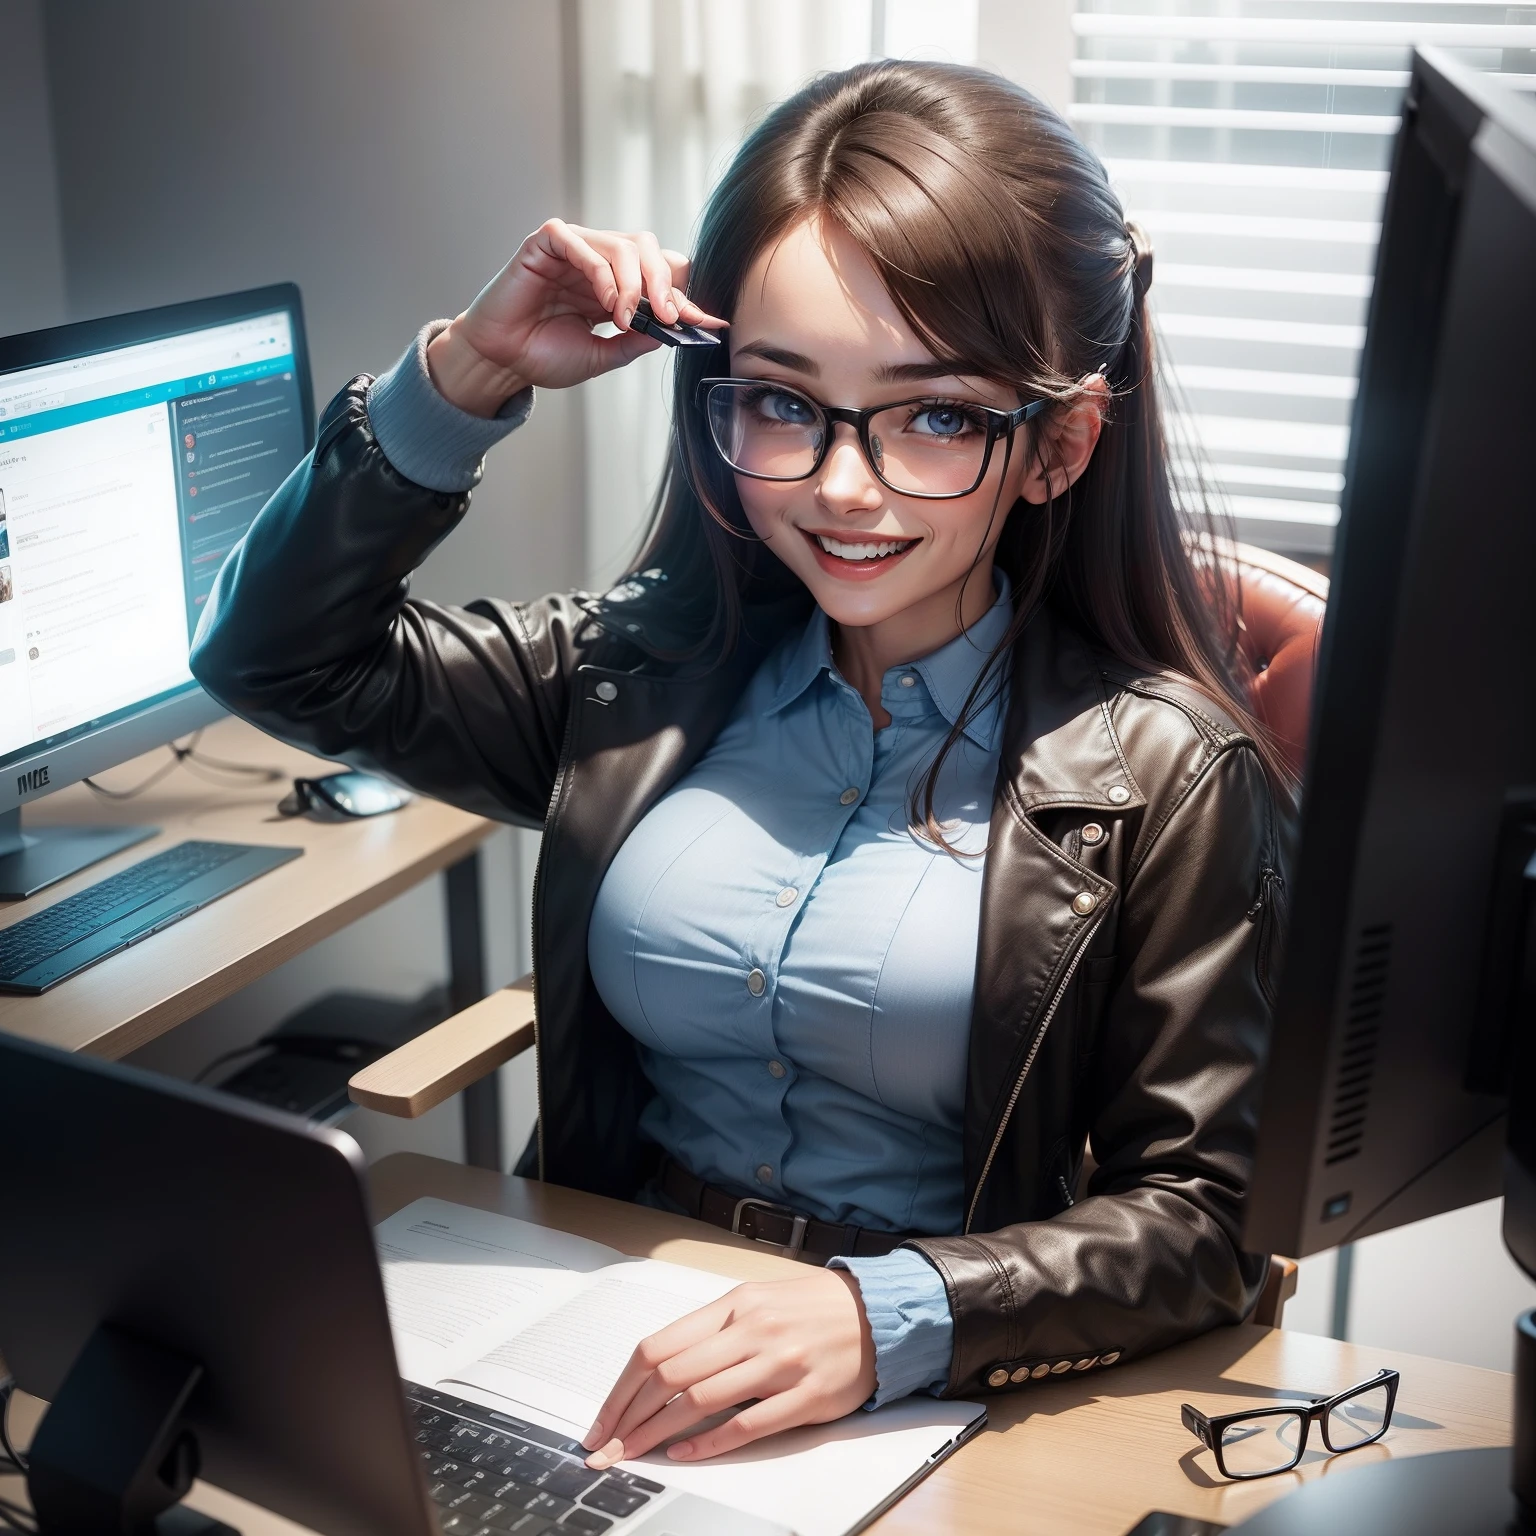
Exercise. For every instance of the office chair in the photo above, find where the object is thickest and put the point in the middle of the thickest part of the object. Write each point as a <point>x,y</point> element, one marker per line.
<point>1280,617</point>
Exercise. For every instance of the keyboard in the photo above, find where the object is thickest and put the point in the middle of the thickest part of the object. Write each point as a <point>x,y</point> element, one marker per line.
<point>490,1474</point>
<point>62,940</point>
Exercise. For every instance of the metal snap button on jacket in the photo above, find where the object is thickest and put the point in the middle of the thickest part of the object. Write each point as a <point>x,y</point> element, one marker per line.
<point>998,1378</point>
<point>848,796</point>
<point>1093,833</point>
<point>756,982</point>
<point>1020,1375</point>
<point>1084,903</point>
<point>1119,794</point>
<point>1040,1370</point>
<point>1110,1358</point>
<point>607,691</point>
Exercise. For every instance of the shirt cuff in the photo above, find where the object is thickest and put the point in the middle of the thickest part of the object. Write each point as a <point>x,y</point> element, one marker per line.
<point>427,438</point>
<point>908,1311</point>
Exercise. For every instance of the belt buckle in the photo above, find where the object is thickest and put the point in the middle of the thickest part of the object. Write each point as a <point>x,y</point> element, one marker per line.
<point>797,1232</point>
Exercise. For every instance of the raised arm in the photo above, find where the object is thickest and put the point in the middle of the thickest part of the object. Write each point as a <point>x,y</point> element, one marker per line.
<point>309,631</point>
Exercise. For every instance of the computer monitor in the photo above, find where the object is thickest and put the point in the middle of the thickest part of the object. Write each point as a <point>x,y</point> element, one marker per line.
<point>191,1280</point>
<point>1406,992</point>
<point>134,453</point>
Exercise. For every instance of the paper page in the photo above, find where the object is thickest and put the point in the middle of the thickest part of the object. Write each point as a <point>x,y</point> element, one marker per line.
<point>564,1364</point>
<point>825,1478</point>
<point>459,1280</point>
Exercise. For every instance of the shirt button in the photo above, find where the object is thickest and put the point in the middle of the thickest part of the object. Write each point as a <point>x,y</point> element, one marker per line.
<point>848,796</point>
<point>786,897</point>
<point>756,982</point>
<point>908,680</point>
<point>1118,794</point>
<point>765,1174</point>
<point>776,1069</point>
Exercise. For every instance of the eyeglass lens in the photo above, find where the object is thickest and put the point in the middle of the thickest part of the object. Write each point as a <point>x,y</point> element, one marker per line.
<point>1357,1419</point>
<point>1267,1443</point>
<point>928,448</point>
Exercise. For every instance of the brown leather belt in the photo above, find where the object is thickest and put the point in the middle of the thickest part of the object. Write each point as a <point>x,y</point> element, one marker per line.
<point>766,1221</point>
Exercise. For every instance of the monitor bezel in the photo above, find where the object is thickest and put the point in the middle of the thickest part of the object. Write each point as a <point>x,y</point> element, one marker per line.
<point>96,745</point>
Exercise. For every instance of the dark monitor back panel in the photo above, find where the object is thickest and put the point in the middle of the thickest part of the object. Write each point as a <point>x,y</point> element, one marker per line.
<point>234,1234</point>
<point>1426,713</point>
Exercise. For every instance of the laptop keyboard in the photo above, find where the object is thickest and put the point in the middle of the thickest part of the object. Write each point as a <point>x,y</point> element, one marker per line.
<point>490,1474</point>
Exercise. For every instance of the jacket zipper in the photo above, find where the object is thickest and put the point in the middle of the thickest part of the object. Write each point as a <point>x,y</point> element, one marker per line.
<point>1029,1061</point>
<point>533,920</point>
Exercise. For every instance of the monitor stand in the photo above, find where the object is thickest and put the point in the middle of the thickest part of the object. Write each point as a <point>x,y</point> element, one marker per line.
<point>112,1452</point>
<point>29,861</point>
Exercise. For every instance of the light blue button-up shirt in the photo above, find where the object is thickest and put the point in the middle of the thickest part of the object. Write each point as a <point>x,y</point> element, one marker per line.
<point>797,965</point>
<point>833,1078</point>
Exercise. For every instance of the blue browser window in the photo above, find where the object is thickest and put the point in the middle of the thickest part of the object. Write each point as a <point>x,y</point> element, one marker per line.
<point>126,478</point>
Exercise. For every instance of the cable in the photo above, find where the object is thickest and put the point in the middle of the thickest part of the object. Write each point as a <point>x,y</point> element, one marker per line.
<point>9,1451</point>
<point>13,1517</point>
<point>190,757</point>
<point>229,1056</point>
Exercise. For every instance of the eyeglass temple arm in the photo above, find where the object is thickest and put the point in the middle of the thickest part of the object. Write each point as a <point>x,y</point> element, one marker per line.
<point>1196,1423</point>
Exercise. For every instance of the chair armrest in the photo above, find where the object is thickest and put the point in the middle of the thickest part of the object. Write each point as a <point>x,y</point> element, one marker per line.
<point>1279,1287</point>
<point>449,1056</point>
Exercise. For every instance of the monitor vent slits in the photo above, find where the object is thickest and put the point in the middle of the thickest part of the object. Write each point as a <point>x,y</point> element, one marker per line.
<point>1357,1055</point>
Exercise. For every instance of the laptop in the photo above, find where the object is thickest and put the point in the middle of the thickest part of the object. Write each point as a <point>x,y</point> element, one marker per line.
<point>194,1282</point>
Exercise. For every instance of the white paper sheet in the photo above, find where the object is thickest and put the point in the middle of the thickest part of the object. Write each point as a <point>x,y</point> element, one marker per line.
<point>459,1281</point>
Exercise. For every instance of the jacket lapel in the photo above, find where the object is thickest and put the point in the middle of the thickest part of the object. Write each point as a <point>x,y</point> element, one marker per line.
<point>1060,752</point>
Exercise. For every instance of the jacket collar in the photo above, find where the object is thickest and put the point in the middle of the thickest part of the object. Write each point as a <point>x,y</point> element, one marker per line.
<point>1059,743</point>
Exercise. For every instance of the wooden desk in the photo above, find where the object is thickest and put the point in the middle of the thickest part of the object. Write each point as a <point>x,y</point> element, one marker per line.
<point>348,869</point>
<point>1078,1456</point>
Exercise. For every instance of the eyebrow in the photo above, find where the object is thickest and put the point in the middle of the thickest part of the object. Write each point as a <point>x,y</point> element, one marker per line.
<point>887,373</point>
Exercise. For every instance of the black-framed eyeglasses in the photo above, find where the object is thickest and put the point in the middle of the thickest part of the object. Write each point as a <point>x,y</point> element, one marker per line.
<point>1263,1441</point>
<point>927,446</point>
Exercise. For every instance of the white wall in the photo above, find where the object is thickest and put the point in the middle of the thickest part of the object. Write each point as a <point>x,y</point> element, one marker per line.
<point>31,252</point>
<point>389,157</point>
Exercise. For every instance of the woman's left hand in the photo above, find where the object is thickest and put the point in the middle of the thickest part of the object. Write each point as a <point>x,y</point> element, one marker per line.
<point>801,1348</point>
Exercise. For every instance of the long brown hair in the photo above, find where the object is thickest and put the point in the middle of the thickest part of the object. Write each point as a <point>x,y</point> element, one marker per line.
<point>999,238</point>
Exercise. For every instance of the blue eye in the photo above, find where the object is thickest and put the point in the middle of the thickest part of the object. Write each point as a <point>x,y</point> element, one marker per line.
<point>940,421</point>
<point>791,410</point>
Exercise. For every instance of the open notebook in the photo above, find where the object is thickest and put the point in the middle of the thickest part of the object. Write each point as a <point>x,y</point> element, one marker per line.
<point>522,1317</point>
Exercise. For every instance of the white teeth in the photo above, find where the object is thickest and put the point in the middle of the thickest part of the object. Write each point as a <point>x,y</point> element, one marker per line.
<point>863,551</point>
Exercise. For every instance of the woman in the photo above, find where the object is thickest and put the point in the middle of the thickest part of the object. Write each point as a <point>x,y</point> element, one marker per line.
<point>905,827</point>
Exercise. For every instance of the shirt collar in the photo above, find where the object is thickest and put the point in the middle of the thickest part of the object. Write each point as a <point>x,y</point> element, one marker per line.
<point>948,673</point>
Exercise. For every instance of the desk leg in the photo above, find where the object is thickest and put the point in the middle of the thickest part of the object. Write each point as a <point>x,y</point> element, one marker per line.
<point>466,985</point>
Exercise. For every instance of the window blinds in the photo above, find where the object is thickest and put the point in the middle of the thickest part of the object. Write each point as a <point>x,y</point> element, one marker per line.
<point>1252,140</point>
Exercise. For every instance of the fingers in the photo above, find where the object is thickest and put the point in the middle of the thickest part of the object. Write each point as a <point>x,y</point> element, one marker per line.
<point>679,1375</point>
<point>618,269</point>
<point>767,1417</point>
<point>657,271</point>
<point>703,1399</point>
<point>652,1352</point>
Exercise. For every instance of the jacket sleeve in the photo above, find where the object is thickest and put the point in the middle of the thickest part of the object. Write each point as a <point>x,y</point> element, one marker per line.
<point>1151,1255</point>
<point>309,633</point>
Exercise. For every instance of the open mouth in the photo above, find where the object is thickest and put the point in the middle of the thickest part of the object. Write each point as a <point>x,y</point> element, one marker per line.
<point>857,557</point>
<point>883,550</point>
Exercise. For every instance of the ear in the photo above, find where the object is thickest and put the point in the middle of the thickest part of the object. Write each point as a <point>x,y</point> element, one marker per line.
<point>1062,451</point>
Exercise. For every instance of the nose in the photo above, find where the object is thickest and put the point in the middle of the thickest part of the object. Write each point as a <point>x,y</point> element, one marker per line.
<point>845,482</point>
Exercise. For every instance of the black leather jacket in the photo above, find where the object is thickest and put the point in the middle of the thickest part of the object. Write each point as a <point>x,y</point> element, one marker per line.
<point>1124,977</point>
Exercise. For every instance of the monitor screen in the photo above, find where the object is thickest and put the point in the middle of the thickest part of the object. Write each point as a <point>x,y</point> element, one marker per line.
<point>126,477</point>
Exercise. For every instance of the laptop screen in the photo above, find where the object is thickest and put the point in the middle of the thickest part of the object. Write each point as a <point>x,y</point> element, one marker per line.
<point>126,477</point>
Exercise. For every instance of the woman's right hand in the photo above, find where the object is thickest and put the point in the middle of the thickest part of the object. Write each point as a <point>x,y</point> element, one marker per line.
<point>532,323</point>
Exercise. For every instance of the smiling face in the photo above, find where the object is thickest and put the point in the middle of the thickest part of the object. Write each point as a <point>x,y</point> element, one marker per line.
<point>813,315</point>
